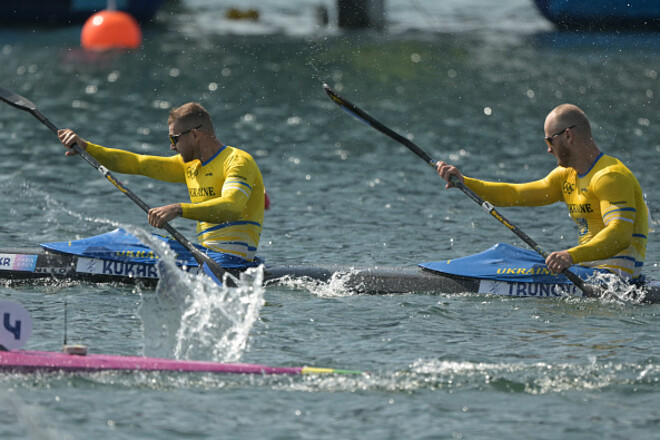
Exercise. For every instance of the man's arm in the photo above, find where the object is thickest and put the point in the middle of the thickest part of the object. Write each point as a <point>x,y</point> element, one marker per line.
<point>540,192</point>
<point>168,169</point>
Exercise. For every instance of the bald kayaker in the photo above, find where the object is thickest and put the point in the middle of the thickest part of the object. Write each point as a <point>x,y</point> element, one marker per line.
<point>225,184</point>
<point>603,197</point>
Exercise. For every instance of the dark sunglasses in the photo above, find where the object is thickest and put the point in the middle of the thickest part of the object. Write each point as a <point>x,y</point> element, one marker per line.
<point>548,139</point>
<point>174,138</point>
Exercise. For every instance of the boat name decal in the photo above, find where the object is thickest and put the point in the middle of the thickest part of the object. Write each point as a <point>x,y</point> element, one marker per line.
<point>129,269</point>
<point>540,289</point>
<point>524,271</point>
<point>527,289</point>
<point>116,268</point>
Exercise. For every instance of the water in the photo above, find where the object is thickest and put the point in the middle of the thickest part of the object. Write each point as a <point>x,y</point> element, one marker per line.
<point>469,83</point>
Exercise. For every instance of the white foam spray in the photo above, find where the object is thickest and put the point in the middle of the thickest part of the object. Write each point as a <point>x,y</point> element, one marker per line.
<point>191,317</point>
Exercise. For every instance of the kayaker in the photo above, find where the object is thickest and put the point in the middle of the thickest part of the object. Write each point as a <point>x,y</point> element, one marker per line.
<point>225,185</point>
<point>603,197</point>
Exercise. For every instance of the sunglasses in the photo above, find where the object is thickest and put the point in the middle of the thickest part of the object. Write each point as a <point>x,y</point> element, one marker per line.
<point>548,139</point>
<point>174,138</point>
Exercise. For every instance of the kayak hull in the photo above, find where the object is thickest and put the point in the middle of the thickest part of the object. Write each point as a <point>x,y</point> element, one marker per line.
<point>52,267</point>
<point>20,265</point>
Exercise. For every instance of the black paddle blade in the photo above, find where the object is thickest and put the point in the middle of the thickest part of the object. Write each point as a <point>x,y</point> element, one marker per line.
<point>361,115</point>
<point>349,107</point>
<point>591,290</point>
<point>15,100</point>
<point>215,276</point>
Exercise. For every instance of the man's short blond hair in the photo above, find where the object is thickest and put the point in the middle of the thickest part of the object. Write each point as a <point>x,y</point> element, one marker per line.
<point>190,115</point>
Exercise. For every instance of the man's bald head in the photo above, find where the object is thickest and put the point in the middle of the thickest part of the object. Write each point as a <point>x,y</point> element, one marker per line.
<point>568,115</point>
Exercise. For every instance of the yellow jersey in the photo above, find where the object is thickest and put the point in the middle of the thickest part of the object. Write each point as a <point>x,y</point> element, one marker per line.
<point>606,203</point>
<point>226,193</point>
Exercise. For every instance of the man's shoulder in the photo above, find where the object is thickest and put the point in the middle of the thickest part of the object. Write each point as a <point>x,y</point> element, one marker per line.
<point>237,151</point>
<point>238,157</point>
<point>562,173</point>
<point>611,165</point>
<point>613,175</point>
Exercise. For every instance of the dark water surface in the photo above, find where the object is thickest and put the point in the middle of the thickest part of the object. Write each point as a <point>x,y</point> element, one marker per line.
<point>469,85</point>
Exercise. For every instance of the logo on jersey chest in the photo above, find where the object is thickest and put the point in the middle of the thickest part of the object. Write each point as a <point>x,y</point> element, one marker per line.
<point>568,187</point>
<point>192,172</point>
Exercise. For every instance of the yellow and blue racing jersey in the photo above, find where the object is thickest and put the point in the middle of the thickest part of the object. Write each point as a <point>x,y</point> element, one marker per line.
<point>226,193</point>
<point>606,203</point>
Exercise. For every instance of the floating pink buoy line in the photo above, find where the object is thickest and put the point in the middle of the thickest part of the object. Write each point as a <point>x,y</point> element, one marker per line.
<point>109,29</point>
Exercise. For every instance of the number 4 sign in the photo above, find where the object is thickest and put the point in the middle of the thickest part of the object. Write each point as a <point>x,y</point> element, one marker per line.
<point>15,325</point>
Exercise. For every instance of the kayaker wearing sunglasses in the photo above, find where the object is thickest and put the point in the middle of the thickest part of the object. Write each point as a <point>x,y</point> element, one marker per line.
<point>225,184</point>
<point>603,197</point>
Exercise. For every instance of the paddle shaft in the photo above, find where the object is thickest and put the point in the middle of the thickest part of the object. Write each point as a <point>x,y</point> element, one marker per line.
<point>367,119</point>
<point>24,104</point>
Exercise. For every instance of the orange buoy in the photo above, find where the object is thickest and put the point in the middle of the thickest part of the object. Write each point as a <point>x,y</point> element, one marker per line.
<point>111,30</point>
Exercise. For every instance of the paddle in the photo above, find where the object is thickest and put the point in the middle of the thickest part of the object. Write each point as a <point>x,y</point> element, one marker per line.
<point>356,112</point>
<point>207,264</point>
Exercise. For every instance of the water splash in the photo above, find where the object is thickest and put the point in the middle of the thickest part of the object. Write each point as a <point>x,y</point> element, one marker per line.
<point>528,378</point>
<point>221,320</point>
<point>617,289</point>
<point>191,317</point>
<point>339,284</point>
